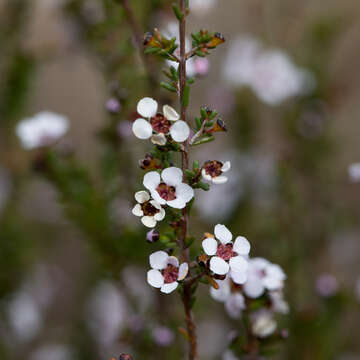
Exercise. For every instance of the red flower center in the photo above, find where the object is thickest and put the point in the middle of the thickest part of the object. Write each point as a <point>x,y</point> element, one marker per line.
<point>166,192</point>
<point>149,209</point>
<point>213,168</point>
<point>160,123</point>
<point>225,251</point>
<point>170,274</point>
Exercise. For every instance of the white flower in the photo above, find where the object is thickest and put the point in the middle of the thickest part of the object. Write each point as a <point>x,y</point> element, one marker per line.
<point>263,275</point>
<point>229,355</point>
<point>269,73</point>
<point>160,124</point>
<point>234,301</point>
<point>354,172</point>
<point>43,129</point>
<point>149,210</point>
<point>263,323</point>
<point>166,272</point>
<point>168,189</point>
<point>278,304</point>
<point>202,7</point>
<point>227,256</point>
<point>213,171</point>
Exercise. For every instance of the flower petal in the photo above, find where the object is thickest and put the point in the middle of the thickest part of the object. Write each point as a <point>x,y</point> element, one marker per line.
<point>151,180</point>
<point>142,129</point>
<point>172,176</point>
<point>234,305</point>
<point>224,291</point>
<point>183,271</point>
<point>148,221</point>
<point>185,192</point>
<point>159,260</point>
<point>170,113</point>
<point>210,246</point>
<point>219,179</point>
<point>155,278</point>
<point>219,266</point>
<point>142,196</point>
<point>180,131</point>
<point>222,233</point>
<point>239,264</point>
<point>168,288</point>
<point>160,215</point>
<point>147,107</point>
<point>173,260</point>
<point>137,210</point>
<point>178,203</point>
<point>205,175</point>
<point>226,167</point>
<point>155,204</point>
<point>156,196</point>
<point>158,139</point>
<point>254,287</point>
<point>241,246</point>
<point>239,277</point>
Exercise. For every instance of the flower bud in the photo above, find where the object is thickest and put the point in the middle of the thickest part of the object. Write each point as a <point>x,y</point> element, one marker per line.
<point>152,236</point>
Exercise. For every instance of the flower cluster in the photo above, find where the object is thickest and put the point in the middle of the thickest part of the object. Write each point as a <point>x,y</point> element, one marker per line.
<point>263,287</point>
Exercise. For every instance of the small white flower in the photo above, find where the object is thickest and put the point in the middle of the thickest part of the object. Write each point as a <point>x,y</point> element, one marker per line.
<point>234,301</point>
<point>213,171</point>
<point>263,323</point>
<point>166,272</point>
<point>202,7</point>
<point>43,129</point>
<point>158,125</point>
<point>168,189</point>
<point>354,172</point>
<point>149,210</point>
<point>263,275</point>
<point>278,304</point>
<point>228,256</point>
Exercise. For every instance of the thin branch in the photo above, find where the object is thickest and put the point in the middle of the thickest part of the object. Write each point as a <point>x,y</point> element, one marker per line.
<point>187,292</point>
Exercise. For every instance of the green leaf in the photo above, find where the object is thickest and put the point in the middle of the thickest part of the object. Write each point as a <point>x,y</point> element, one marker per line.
<point>203,113</point>
<point>203,140</point>
<point>202,185</point>
<point>197,123</point>
<point>152,50</point>
<point>168,86</point>
<point>196,165</point>
<point>186,95</point>
<point>179,15</point>
<point>189,173</point>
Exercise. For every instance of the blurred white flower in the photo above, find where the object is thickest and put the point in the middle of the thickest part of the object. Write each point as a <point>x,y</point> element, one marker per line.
<point>149,210</point>
<point>213,171</point>
<point>227,256</point>
<point>269,73</point>
<point>43,129</point>
<point>263,323</point>
<point>161,124</point>
<point>25,316</point>
<point>107,313</point>
<point>326,285</point>
<point>166,272</point>
<point>234,301</point>
<point>53,352</point>
<point>168,189</point>
<point>263,275</point>
<point>278,303</point>
<point>229,355</point>
<point>354,172</point>
<point>202,7</point>
<point>163,336</point>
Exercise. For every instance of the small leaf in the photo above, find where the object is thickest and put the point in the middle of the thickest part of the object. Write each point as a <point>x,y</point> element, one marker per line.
<point>152,50</point>
<point>197,123</point>
<point>186,95</point>
<point>189,173</point>
<point>202,185</point>
<point>196,165</point>
<point>168,86</point>
<point>177,12</point>
<point>203,140</point>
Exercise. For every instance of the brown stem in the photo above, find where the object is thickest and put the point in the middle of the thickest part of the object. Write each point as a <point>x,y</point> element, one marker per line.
<point>187,293</point>
<point>138,36</point>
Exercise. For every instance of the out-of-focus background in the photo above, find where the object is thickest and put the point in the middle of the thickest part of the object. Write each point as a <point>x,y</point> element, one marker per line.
<point>73,266</point>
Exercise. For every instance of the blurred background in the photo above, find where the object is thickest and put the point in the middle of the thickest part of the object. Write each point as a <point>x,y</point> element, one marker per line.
<point>73,259</point>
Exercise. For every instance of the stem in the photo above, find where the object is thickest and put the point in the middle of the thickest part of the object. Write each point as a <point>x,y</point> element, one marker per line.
<point>138,36</point>
<point>187,293</point>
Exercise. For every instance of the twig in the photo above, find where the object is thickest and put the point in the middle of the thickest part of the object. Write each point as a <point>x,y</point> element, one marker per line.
<point>187,292</point>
